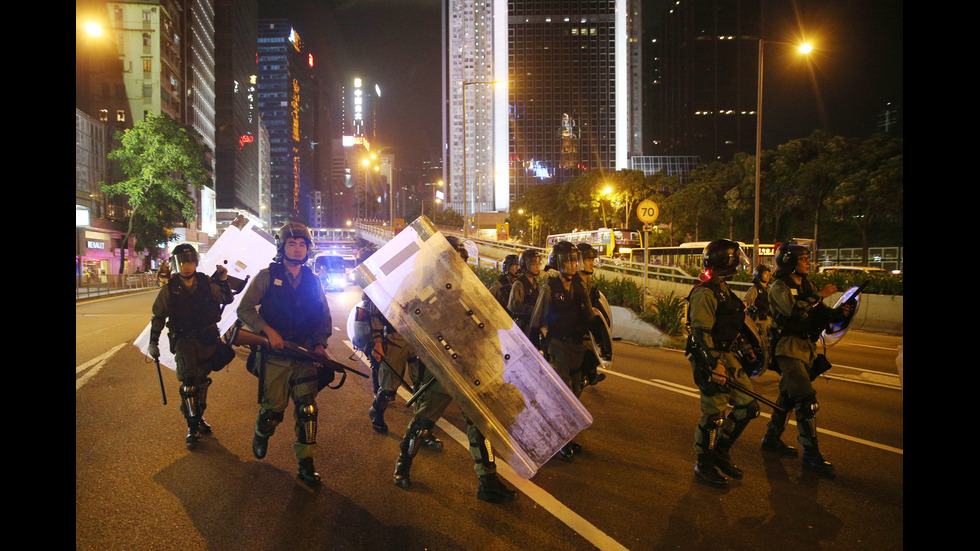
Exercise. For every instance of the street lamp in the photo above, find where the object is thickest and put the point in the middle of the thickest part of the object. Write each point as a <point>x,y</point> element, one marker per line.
<point>466,224</point>
<point>803,49</point>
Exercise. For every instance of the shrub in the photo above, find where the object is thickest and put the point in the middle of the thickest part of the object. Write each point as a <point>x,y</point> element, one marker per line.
<point>666,313</point>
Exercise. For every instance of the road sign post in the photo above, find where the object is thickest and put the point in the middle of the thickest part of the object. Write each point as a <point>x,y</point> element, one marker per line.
<point>647,211</point>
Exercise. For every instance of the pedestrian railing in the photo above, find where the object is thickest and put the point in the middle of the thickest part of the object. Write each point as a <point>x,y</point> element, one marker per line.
<point>89,286</point>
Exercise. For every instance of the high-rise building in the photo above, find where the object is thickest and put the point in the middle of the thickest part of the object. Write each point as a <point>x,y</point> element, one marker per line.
<point>537,91</point>
<point>287,96</point>
<point>237,149</point>
<point>703,99</point>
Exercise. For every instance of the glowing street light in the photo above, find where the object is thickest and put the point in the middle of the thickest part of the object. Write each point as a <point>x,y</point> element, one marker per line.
<point>804,49</point>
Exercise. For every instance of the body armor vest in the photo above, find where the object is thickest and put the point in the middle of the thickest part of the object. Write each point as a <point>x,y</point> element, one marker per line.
<point>802,323</point>
<point>295,313</point>
<point>729,316</point>
<point>568,314</point>
<point>192,311</point>
<point>503,292</point>
<point>531,291</point>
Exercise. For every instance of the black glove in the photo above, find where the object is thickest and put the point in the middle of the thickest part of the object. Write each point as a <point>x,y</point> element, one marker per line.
<point>153,350</point>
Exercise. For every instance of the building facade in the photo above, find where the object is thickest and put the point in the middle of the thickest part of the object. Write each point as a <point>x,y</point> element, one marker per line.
<point>237,169</point>
<point>287,94</point>
<point>704,99</point>
<point>537,91</point>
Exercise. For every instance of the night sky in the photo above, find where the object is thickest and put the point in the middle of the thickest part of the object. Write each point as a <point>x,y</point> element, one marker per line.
<point>855,70</point>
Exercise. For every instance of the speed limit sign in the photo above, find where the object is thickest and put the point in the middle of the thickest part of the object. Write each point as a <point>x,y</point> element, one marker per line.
<point>647,211</point>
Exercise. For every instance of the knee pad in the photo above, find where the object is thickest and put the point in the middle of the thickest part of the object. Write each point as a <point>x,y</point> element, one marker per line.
<point>306,417</point>
<point>750,410</point>
<point>268,420</point>
<point>807,407</point>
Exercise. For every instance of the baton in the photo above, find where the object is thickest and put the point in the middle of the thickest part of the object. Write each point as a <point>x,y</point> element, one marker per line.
<point>737,386</point>
<point>419,392</point>
<point>397,376</point>
<point>163,391</point>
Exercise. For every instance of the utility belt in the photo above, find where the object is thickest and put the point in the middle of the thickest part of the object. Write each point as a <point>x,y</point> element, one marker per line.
<point>205,335</point>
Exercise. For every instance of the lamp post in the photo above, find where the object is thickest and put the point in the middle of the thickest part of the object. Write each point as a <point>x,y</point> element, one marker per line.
<point>803,49</point>
<point>466,224</point>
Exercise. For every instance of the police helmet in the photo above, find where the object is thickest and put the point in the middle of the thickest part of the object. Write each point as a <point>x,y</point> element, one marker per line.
<point>565,258</point>
<point>457,244</point>
<point>527,260</point>
<point>510,260</point>
<point>758,271</point>
<point>297,230</point>
<point>588,252</point>
<point>721,258</point>
<point>182,254</point>
<point>787,256</point>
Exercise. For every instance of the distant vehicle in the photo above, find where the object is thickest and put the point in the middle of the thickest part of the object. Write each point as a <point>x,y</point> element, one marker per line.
<point>851,270</point>
<point>333,270</point>
<point>616,243</point>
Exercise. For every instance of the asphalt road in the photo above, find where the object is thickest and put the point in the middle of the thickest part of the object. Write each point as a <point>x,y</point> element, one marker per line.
<point>139,487</point>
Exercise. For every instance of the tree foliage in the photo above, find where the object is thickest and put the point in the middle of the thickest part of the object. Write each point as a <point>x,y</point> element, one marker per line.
<point>837,189</point>
<point>161,160</point>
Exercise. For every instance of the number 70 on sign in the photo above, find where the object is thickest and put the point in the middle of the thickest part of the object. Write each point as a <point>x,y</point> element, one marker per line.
<point>647,211</point>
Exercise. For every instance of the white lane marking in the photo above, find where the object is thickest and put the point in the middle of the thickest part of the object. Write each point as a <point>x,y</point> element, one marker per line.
<point>548,502</point>
<point>97,362</point>
<point>693,392</point>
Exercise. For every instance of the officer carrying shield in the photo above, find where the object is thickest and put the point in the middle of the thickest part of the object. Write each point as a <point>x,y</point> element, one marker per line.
<point>524,293</point>
<point>798,316</point>
<point>590,363</point>
<point>715,318</point>
<point>190,306</point>
<point>564,314</point>
<point>431,405</point>
<point>500,288</point>
<point>285,302</point>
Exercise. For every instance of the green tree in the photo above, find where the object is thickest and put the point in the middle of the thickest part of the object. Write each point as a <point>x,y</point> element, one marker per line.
<point>874,189</point>
<point>161,159</point>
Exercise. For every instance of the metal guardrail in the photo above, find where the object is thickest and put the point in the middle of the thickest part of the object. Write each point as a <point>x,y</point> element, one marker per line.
<point>113,284</point>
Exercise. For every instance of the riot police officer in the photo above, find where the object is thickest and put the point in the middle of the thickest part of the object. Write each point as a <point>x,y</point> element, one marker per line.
<point>500,289</point>
<point>564,314</point>
<point>190,306</point>
<point>431,406</point>
<point>799,316</point>
<point>716,318</point>
<point>293,309</point>
<point>756,299</point>
<point>524,293</point>
<point>590,363</point>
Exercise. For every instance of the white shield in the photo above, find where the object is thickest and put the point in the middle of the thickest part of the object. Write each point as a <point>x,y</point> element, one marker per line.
<point>484,361</point>
<point>243,249</point>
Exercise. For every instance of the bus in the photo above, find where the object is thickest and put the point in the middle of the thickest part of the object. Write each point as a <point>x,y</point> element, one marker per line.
<point>613,243</point>
<point>689,254</point>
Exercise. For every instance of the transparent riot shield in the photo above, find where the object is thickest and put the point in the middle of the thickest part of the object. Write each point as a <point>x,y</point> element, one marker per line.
<point>243,249</point>
<point>484,361</point>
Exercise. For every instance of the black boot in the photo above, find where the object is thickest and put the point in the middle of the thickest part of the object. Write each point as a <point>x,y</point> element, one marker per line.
<point>193,433</point>
<point>814,460</point>
<point>723,458</point>
<point>492,490</point>
<point>377,411</point>
<point>307,473</point>
<point>706,470</point>
<point>776,445</point>
<point>203,427</point>
<point>430,441</point>
<point>260,444</point>
<point>403,466</point>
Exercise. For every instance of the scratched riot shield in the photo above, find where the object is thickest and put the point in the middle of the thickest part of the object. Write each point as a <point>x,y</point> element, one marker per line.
<point>473,347</point>
<point>836,331</point>
<point>600,332</point>
<point>243,249</point>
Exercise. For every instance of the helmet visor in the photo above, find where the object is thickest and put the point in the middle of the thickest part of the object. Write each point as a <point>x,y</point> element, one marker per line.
<point>569,262</point>
<point>184,257</point>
